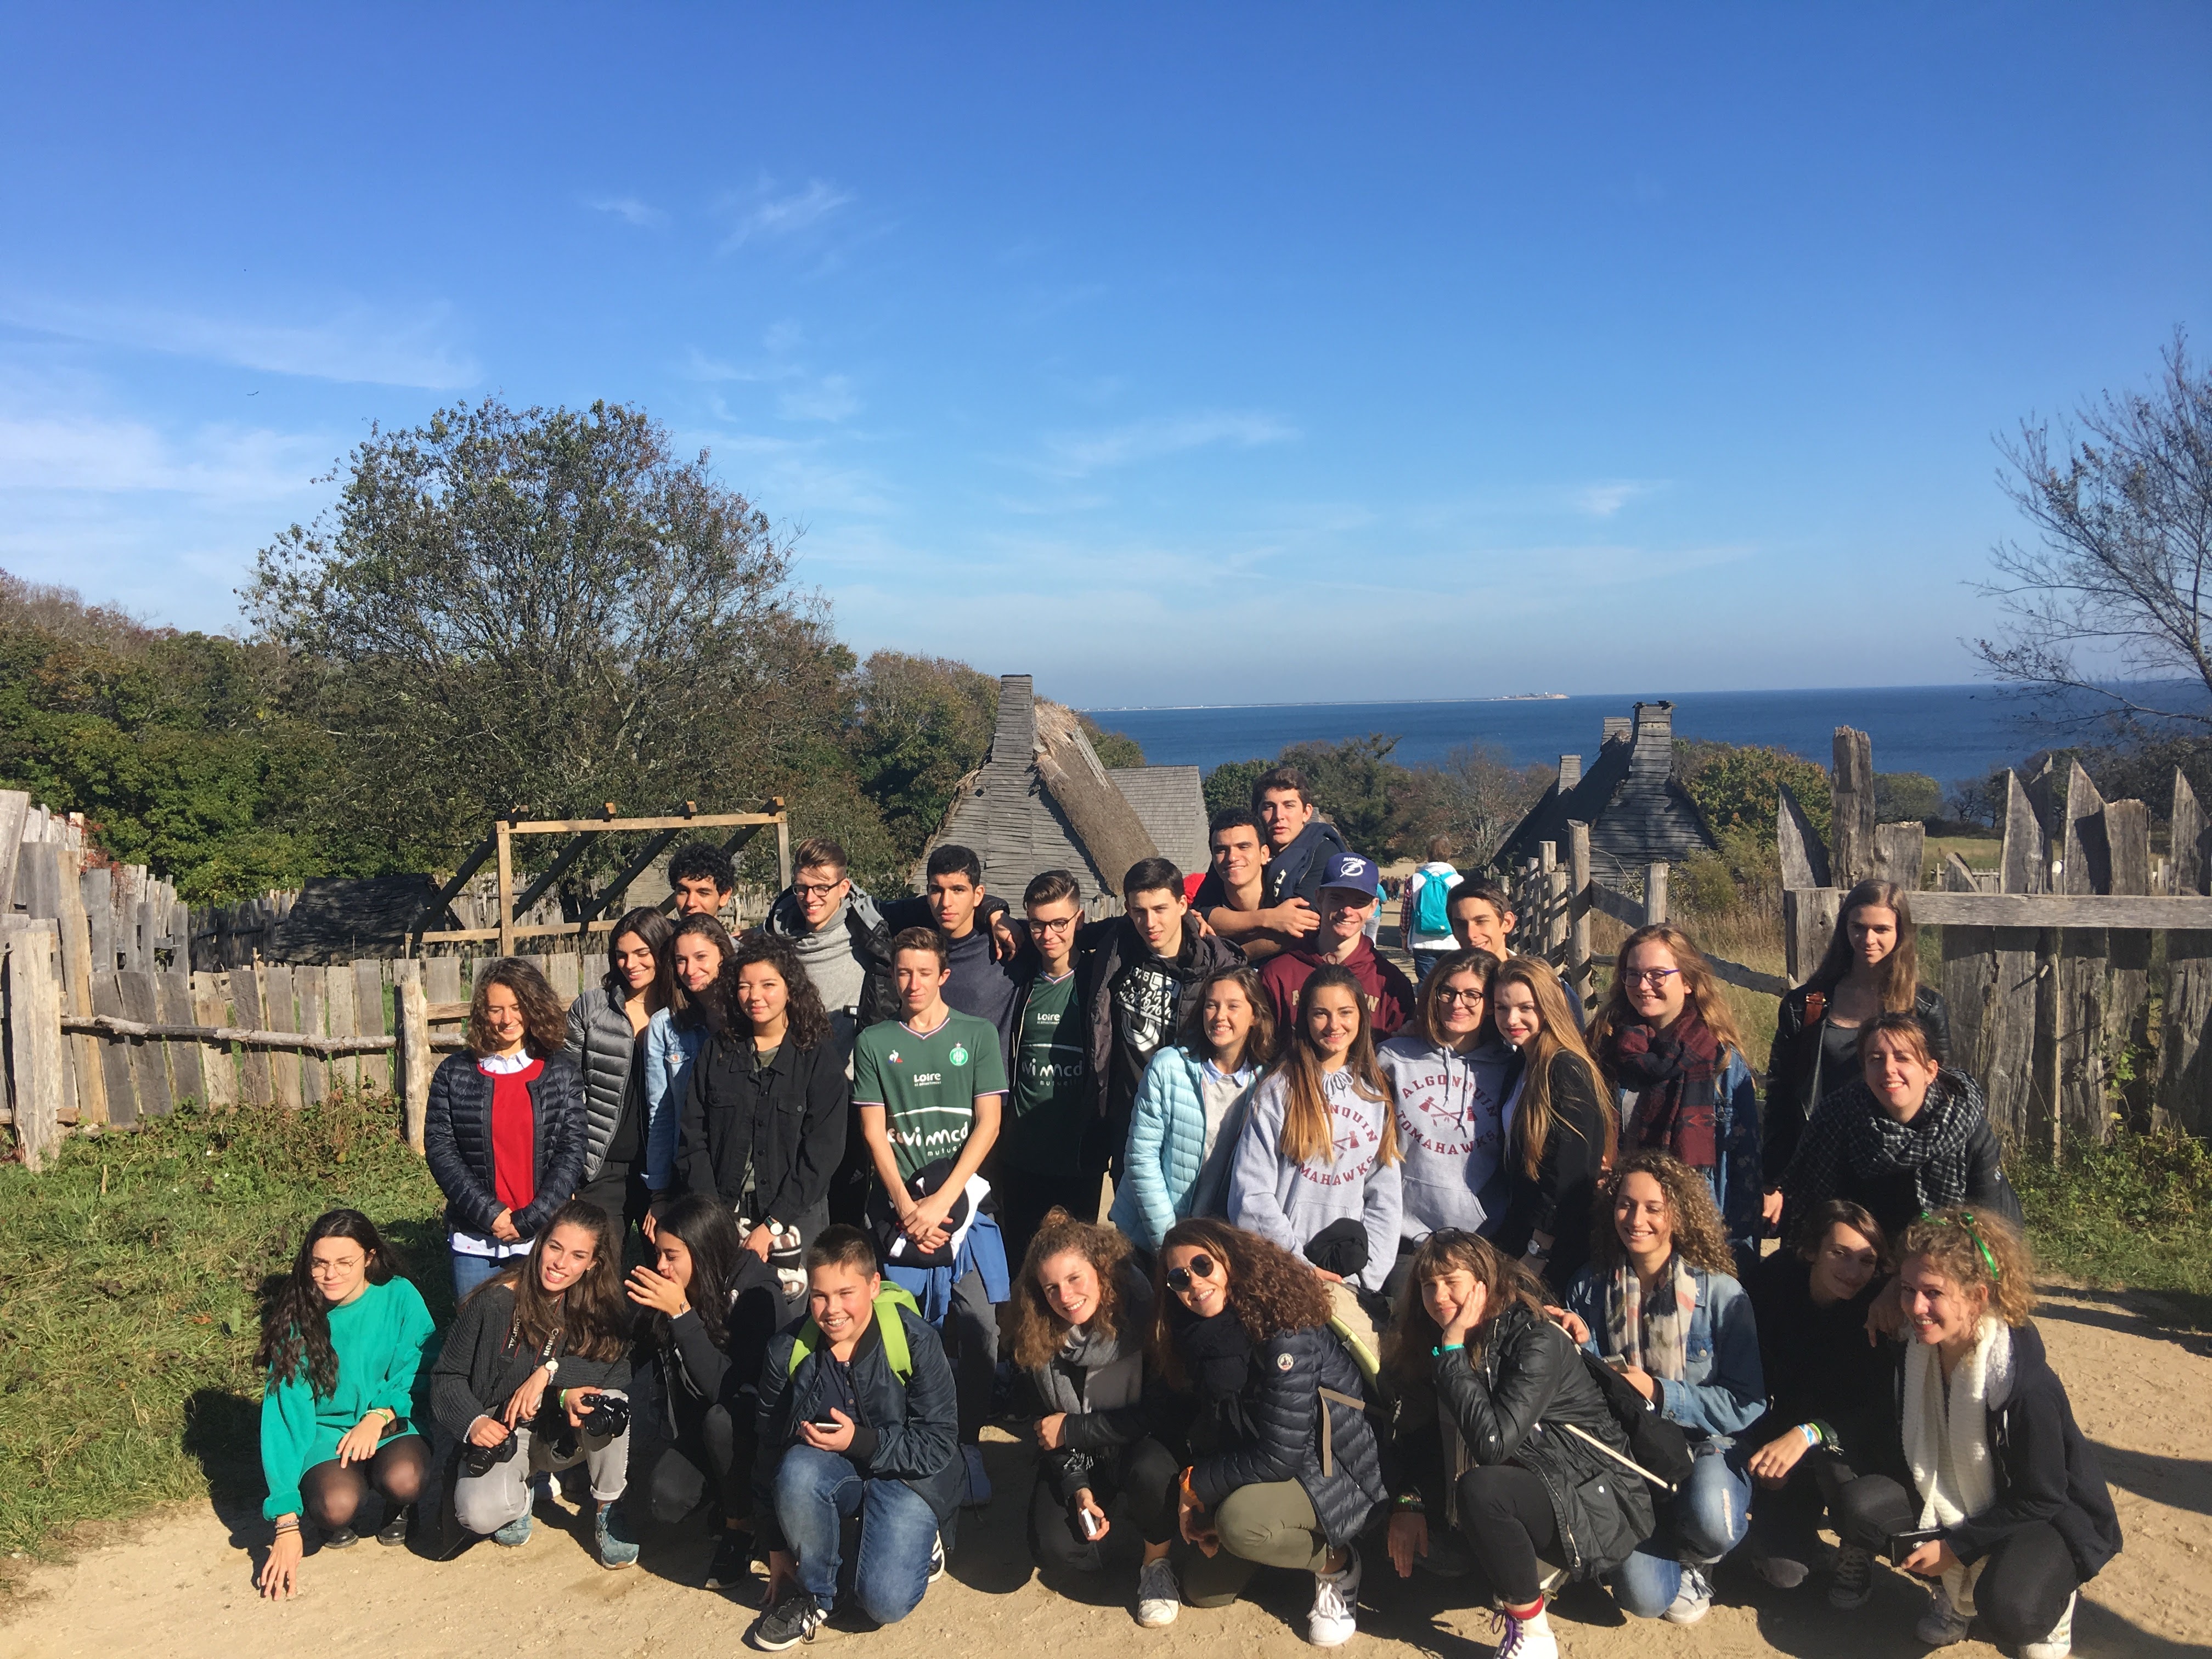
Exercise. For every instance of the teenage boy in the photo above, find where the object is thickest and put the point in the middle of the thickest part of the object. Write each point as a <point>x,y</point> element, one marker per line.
<point>1041,1162</point>
<point>701,879</point>
<point>1233,897</point>
<point>857,1423</point>
<point>1482,920</point>
<point>843,941</point>
<point>1424,910</point>
<point>928,1086</point>
<point>1351,891</point>
<point>982,976</point>
<point>1130,988</point>
<point>1300,844</point>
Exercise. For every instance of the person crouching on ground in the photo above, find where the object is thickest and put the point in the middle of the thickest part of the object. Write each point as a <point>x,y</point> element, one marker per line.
<point>1285,1470</point>
<point>1082,1312</point>
<point>1660,1305</point>
<point>340,1345</point>
<point>531,1379</point>
<point>858,1421</point>
<point>2008,1509</point>
<point>1482,1373</point>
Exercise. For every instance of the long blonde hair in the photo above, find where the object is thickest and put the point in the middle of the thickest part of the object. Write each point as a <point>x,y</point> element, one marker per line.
<point>1307,1134</point>
<point>1699,983</point>
<point>1556,1036</point>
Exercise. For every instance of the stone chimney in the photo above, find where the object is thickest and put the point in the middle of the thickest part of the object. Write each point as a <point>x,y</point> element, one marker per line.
<point>1616,726</point>
<point>1571,772</point>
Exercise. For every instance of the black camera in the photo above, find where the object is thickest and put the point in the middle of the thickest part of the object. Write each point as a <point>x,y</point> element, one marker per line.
<point>607,1418</point>
<point>483,1460</point>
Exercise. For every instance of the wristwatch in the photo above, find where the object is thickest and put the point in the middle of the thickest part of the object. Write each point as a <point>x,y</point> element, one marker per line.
<point>552,1369</point>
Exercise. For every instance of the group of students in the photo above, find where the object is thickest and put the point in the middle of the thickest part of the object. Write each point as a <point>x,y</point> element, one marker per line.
<point>1431,1266</point>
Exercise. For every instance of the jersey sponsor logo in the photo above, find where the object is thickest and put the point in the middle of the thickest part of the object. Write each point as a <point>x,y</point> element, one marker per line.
<point>927,1079</point>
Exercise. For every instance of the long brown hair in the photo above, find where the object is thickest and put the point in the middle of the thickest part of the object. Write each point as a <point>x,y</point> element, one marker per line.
<point>658,934</point>
<point>1259,1042</point>
<point>1699,1238</point>
<point>592,1317</point>
<point>1270,1289</point>
<point>1698,983</point>
<point>296,1325</point>
<point>709,1009</point>
<point>1307,1132</point>
<point>1038,1331</point>
<point>1407,1349</point>
<point>1899,971</point>
<point>1556,1036</point>
<point>545,1021</point>
<point>1428,1013</point>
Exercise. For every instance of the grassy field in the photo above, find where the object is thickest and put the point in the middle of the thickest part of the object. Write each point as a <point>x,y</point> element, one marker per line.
<point>2134,1213</point>
<point>129,1276</point>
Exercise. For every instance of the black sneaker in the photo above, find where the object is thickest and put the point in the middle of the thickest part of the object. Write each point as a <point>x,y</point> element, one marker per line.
<point>340,1538</point>
<point>733,1560</point>
<point>795,1619</point>
<point>394,1529</point>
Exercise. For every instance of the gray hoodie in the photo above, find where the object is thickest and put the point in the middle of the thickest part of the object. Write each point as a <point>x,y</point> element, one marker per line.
<point>1290,1203</point>
<point>1450,1130</point>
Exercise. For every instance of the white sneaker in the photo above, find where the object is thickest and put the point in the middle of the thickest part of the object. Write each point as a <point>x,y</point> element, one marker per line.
<point>1943,1624</point>
<point>1526,1639</point>
<point>2060,1642</point>
<point>1333,1620</point>
<point>1691,1601</point>
<point>1159,1598</point>
<point>1780,1570</point>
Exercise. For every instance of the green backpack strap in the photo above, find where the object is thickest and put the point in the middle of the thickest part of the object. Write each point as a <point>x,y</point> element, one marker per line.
<point>896,1353</point>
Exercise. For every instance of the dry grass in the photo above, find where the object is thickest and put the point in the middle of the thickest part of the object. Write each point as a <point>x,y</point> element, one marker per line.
<point>1740,936</point>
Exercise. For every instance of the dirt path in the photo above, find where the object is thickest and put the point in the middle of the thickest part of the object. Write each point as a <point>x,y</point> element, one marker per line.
<point>181,1588</point>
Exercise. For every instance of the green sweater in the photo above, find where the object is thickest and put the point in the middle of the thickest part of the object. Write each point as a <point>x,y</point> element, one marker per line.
<point>378,1338</point>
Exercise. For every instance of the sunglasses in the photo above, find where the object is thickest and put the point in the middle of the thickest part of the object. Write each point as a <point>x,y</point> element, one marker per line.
<point>1179,1279</point>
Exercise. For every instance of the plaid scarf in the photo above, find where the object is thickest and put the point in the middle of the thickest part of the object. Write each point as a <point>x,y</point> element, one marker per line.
<point>1654,1336</point>
<point>1676,1109</point>
<point>1852,1133</point>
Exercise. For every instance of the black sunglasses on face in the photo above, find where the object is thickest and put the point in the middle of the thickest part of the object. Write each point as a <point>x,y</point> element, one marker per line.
<point>1201,1267</point>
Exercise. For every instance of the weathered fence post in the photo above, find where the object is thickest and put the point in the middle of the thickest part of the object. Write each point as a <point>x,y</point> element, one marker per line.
<point>414,1052</point>
<point>1554,880</point>
<point>1655,894</point>
<point>506,891</point>
<point>35,1033</point>
<point>1850,832</point>
<point>2185,1049</point>
<point>1578,926</point>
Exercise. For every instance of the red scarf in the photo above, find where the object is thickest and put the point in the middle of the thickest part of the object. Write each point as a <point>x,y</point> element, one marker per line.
<point>1672,1075</point>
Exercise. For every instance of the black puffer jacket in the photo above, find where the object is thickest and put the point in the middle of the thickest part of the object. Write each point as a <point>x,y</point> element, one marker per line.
<point>1514,1407</point>
<point>1795,1083</point>
<point>1271,1430</point>
<point>1558,1201</point>
<point>604,1049</point>
<point>457,1143</point>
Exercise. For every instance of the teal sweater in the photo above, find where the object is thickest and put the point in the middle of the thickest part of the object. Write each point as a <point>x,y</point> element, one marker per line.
<point>378,1338</point>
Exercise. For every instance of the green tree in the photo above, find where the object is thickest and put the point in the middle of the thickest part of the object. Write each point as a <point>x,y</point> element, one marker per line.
<point>918,725</point>
<point>1901,795</point>
<point>1115,749</point>
<point>545,608</point>
<point>1230,784</point>
<point>1737,786</point>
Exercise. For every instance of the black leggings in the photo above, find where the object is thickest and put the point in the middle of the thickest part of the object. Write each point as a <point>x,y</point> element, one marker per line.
<point>695,1461</point>
<point>333,1491</point>
<point>2022,1590</point>
<point>1146,1472</point>
<point>1505,1512</point>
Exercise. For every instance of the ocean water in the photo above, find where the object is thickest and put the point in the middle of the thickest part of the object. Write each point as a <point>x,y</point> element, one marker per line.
<point>1948,731</point>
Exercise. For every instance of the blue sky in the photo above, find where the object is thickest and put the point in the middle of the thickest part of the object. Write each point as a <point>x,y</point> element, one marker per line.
<point>1171,354</point>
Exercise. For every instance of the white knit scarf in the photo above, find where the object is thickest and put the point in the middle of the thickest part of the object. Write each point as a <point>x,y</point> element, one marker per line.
<point>1946,1440</point>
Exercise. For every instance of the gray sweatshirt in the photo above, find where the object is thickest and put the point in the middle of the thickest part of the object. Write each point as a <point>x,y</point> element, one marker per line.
<point>1289,1203</point>
<point>1450,1130</point>
<point>838,975</point>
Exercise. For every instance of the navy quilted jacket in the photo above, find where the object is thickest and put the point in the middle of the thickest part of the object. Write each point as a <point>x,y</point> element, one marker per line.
<point>457,1143</point>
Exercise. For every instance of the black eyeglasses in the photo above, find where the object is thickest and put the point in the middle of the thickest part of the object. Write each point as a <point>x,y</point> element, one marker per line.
<point>1179,1279</point>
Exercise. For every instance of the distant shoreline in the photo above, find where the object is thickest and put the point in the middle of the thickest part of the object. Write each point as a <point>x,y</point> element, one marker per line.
<point>1625,698</point>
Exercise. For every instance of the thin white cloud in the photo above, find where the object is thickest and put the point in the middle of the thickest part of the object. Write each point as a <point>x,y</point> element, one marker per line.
<point>830,399</point>
<point>628,209</point>
<point>1603,500</point>
<point>1072,455</point>
<point>102,456</point>
<point>769,217</point>
<point>358,344</point>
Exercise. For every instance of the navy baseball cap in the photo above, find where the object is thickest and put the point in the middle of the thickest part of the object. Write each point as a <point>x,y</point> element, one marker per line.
<point>1350,870</point>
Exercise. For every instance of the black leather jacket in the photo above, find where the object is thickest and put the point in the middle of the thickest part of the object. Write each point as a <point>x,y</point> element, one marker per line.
<point>1513,1407</point>
<point>1795,1085</point>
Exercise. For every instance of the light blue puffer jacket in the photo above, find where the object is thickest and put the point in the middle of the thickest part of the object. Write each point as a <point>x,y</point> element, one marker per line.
<point>1166,1176</point>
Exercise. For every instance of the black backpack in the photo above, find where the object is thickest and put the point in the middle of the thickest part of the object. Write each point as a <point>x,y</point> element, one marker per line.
<point>1658,1450</point>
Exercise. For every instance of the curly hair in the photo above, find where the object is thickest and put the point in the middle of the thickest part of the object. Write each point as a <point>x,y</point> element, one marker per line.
<point>1699,1238</point>
<point>1406,1352</point>
<point>809,1026</point>
<point>1698,983</point>
<point>591,1316</point>
<point>1976,1250</point>
<point>1038,1331</point>
<point>1259,1042</point>
<point>1270,1289</point>
<point>295,1325</point>
<point>1429,1012</point>
<point>544,1020</point>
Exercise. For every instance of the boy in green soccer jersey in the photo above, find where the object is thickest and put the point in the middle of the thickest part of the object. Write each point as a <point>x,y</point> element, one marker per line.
<point>928,1086</point>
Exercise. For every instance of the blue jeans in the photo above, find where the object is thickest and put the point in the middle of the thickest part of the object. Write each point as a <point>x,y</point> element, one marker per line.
<point>470,1271</point>
<point>816,1492</point>
<point>1698,1526</point>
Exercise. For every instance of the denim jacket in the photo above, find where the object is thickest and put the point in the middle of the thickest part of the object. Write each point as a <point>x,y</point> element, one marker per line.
<point>670,1048</point>
<point>1722,1390</point>
<point>1736,1176</point>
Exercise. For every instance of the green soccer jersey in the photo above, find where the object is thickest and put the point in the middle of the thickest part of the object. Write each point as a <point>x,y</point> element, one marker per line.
<point>1046,1134</point>
<point>927,1083</point>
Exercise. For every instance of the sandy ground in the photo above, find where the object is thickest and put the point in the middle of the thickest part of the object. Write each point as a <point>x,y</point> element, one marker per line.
<point>181,1585</point>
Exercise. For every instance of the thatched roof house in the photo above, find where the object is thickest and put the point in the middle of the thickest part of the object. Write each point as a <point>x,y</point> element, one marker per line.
<point>1041,801</point>
<point>1636,812</point>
